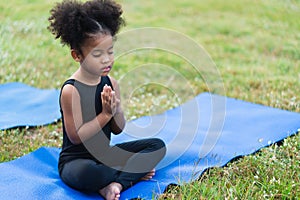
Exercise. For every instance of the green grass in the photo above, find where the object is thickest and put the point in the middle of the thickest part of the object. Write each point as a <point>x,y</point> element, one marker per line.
<point>254,44</point>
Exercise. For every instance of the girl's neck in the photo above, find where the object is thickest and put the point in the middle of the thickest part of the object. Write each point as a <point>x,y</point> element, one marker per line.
<point>85,78</point>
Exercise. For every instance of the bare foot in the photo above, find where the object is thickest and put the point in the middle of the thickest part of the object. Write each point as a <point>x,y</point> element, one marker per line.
<point>149,175</point>
<point>112,191</point>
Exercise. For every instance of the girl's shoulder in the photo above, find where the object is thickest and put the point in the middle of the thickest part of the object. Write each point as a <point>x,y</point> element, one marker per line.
<point>70,81</point>
<point>67,85</point>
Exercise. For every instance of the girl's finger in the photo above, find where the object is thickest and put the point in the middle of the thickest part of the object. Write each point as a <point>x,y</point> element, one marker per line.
<point>113,97</point>
<point>105,97</point>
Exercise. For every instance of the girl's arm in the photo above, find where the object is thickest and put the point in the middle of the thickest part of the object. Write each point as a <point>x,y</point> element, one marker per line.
<point>76,130</point>
<point>118,121</point>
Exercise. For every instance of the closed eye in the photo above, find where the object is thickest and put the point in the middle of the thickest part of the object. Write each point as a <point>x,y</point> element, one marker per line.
<point>97,53</point>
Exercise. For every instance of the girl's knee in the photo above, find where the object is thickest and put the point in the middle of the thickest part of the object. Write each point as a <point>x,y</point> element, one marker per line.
<point>159,143</point>
<point>159,146</point>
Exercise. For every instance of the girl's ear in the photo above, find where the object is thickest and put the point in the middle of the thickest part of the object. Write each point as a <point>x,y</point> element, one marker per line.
<point>76,55</point>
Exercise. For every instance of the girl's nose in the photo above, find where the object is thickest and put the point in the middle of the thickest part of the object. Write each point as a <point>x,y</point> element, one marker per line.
<point>105,59</point>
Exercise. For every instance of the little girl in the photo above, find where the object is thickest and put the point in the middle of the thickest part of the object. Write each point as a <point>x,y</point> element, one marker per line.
<point>90,105</point>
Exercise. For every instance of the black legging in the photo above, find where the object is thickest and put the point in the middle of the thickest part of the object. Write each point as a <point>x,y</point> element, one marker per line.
<point>126,164</point>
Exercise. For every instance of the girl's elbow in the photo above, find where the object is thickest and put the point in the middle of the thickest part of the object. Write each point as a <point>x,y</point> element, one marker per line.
<point>76,141</point>
<point>117,127</point>
<point>74,138</point>
<point>117,131</point>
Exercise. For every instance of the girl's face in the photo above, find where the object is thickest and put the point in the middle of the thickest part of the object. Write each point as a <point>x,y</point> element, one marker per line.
<point>98,55</point>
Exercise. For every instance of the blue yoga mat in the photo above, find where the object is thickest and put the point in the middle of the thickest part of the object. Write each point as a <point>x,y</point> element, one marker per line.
<point>207,131</point>
<point>22,105</point>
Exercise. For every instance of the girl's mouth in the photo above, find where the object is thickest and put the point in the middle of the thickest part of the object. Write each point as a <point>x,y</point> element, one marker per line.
<point>106,69</point>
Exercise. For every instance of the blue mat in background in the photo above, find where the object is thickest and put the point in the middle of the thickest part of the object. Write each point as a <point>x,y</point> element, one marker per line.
<point>207,131</point>
<point>22,105</point>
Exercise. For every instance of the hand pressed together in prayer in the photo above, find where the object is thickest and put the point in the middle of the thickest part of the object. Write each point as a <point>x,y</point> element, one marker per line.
<point>110,103</point>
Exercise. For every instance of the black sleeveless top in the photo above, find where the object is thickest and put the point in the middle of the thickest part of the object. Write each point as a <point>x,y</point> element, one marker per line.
<point>91,105</point>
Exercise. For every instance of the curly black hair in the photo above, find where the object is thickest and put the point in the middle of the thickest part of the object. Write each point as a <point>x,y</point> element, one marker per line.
<point>73,21</point>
